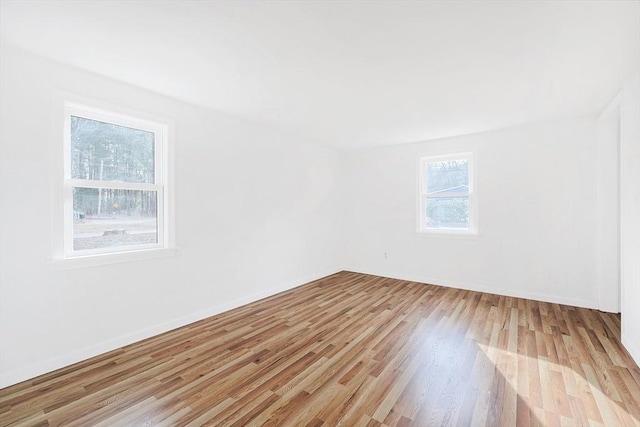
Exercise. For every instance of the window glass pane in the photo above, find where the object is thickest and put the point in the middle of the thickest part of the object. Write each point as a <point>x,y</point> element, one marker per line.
<point>448,212</point>
<point>107,152</point>
<point>448,176</point>
<point>112,218</point>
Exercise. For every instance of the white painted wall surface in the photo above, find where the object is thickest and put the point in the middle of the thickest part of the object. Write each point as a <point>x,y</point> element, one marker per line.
<point>256,212</point>
<point>608,208</point>
<point>630,215</point>
<point>536,190</point>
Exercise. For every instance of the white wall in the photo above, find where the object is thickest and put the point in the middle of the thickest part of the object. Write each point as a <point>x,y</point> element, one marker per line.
<point>630,215</point>
<point>536,189</point>
<point>608,208</point>
<point>256,212</point>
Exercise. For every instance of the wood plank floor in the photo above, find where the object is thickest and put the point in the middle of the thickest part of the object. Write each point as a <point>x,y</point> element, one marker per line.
<point>354,350</point>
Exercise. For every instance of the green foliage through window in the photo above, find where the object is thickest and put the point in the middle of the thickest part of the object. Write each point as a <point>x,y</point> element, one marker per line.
<point>448,212</point>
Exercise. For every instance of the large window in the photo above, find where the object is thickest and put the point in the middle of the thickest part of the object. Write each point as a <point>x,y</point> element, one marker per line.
<point>447,203</point>
<point>115,182</point>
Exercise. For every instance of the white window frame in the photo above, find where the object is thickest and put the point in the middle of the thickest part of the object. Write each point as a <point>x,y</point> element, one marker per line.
<point>160,185</point>
<point>422,195</point>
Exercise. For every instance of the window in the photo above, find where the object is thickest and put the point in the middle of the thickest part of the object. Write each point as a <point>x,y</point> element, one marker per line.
<point>115,196</point>
<point>447,203</point>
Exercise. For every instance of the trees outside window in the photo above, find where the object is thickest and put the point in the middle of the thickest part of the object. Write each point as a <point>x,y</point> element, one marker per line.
<point>446,194</point>
<point>115,184</point>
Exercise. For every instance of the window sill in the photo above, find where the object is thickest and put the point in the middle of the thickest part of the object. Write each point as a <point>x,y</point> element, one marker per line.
<point>448,234</point>
<point>89,261</point>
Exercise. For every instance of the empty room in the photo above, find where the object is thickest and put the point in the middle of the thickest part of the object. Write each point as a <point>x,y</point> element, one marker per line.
<point>319,213</point>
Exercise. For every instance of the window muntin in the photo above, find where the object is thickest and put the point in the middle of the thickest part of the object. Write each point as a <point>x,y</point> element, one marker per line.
<point>446,194</point>
<point>114,187</point>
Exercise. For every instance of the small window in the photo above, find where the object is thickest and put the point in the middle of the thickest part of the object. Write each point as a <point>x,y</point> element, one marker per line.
<point>114,183</point>
<point>447,202</point>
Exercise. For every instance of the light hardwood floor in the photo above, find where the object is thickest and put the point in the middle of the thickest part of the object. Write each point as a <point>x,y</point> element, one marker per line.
<point>354,350</point>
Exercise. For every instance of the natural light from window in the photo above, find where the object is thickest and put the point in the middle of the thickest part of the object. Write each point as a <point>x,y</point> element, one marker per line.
<point>446,202</point>
<point>114,192</point>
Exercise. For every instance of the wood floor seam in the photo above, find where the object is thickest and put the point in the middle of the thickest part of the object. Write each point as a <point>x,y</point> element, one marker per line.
<point>354,350</point>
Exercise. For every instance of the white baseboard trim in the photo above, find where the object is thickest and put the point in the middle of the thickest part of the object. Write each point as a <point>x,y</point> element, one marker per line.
<point>480,288</point>
<point>633,351</point>
<point>609,308</point>
<point>22,374</point>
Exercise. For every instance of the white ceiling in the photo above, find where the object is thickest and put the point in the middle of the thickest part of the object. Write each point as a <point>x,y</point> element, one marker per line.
<point>350,74</point>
